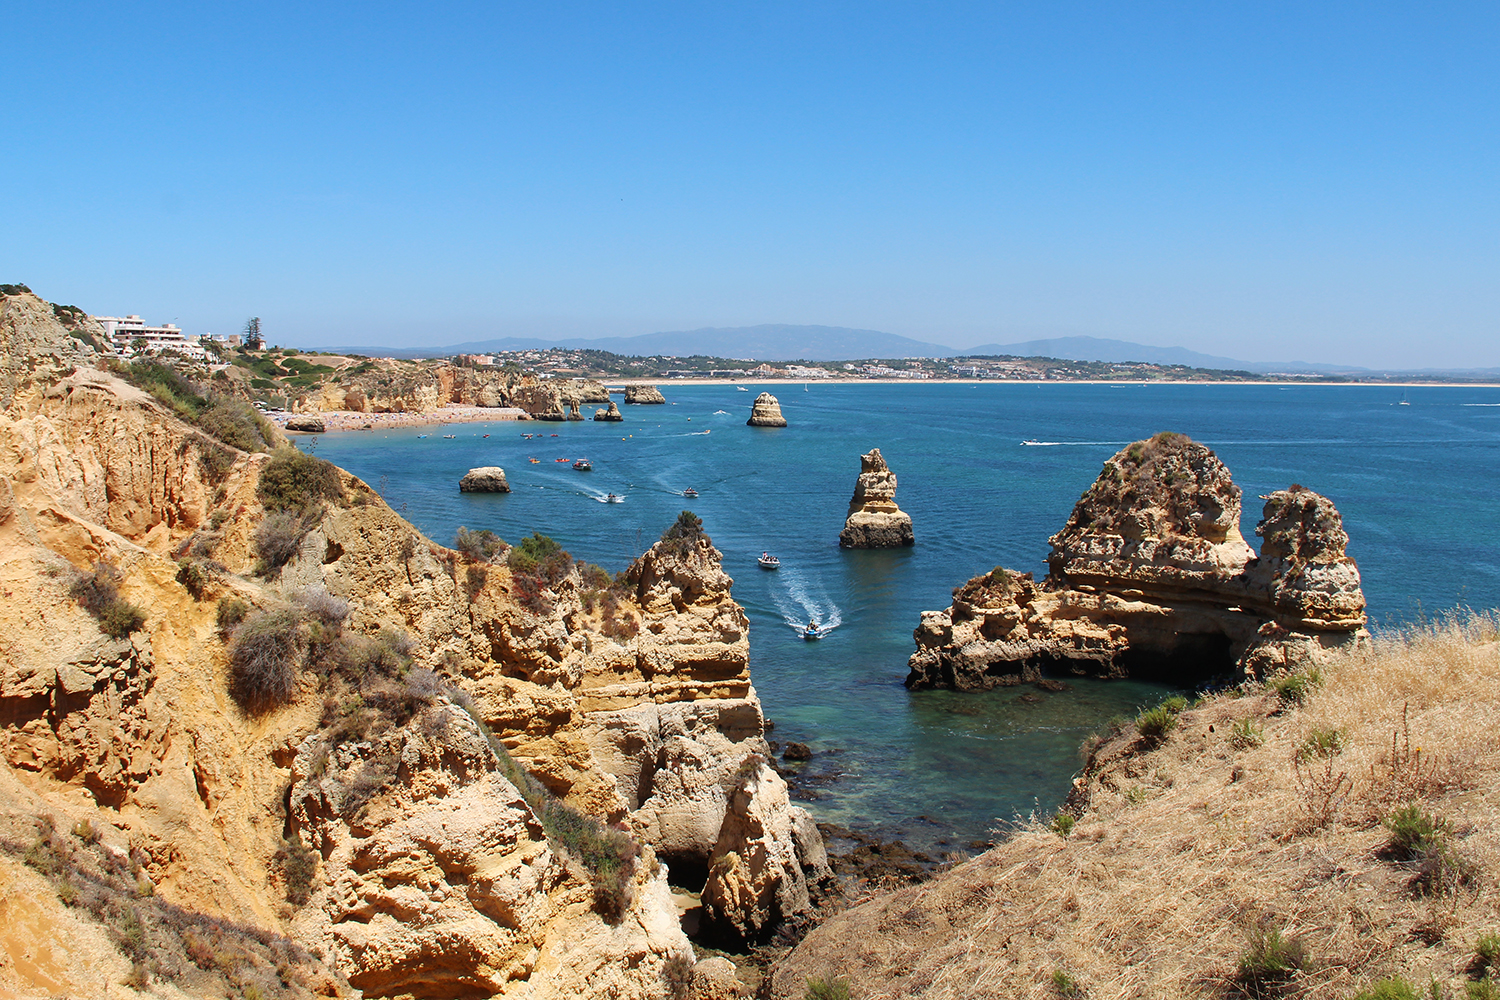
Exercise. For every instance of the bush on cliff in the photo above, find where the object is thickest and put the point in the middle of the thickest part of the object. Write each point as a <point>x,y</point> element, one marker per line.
<point>480,546</point>
<point>682,537</point>
<point>232,421</point>
<point>264,657</point>
<point>294,481</point>
<point>98,593</point>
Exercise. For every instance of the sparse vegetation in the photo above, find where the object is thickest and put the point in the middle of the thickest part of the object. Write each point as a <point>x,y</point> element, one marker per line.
<point>229,613</point>
<point>1269,962</point>
<point>1294,688</point>
<point>1394,988</point>
<point>1065,987</point>
<point>293,480</point>
<point>1247,733</point>
<point>478,546</point>
<point>1062,823</point>
<point>98,593</point>
<point>264,658</point>
<point>278,539</point>
<point>681,538</point>
<point>1155,723</point>
<point>196,575</point>
<point>819,988</point>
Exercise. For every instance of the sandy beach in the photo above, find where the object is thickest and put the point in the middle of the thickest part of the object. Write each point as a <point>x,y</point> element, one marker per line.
<point>354,420</point>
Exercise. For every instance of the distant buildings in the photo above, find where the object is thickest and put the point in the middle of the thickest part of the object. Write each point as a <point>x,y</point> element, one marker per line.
<point>127,333</point>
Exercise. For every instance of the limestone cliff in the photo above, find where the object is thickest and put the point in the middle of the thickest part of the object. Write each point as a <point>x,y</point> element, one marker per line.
<point>644,394</point>
<point>874,520</point>
<point>431,868</point>
<point>384,386</point>
<point>1150,576</point>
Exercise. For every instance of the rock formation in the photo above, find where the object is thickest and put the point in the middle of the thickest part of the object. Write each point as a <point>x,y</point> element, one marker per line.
<point>874,521</point>
<point>611,414</point>
<point>306,423</point>
<point>643,394</point>
<point>486,479</point>
<point>765,855</point>
<point>766,412</point>
<point>422,866</point>
<point>386,386</point>
<point>1150,576</point>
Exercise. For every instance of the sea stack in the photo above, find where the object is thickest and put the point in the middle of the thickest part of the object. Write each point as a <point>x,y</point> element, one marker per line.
<point>487,479</point>
<point>874,521</point>
<point>643,394</point>
<point>613,413</point>
<point>766,412</point>
<point>307,424</point>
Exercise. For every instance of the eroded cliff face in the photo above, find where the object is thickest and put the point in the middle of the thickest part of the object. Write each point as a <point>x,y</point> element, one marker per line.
<point>1150,576</point>
<point>430,872</point>
<point>392,387</point>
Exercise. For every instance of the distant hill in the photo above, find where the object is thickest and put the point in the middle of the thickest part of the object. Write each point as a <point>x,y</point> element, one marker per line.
<point>1101,349</point>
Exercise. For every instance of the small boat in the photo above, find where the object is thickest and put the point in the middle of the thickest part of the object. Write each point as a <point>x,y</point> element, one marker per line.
<point>449,437</point>
<point>559,460</point>
<point>1404,401</point>
<point>550,435</point>
<point>533,461</point>
<point>689,492</point>
<point>486,435</point>
<point>583,465</point>
<point>742,388</point>
<point>811,632</point>
<point>1031,441</point>
<point>768,561</point>
<point>421,436</point>
<point>613,498</point>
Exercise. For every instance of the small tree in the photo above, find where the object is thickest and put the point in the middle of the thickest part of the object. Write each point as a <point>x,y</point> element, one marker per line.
<point>253,339</point>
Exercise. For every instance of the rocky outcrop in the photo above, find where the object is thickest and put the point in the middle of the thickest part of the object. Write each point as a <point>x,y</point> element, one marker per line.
<point>1151,577</point>
<point>874,521</point>
<point>486,479</point>
<point>612,414</point>
<point>643,394</point>
<point>766,412</point>
<point>388,386</point>
<point>32,333</point>
<point>766,854</point>
<point>306,423</point>
<point>633,707</point>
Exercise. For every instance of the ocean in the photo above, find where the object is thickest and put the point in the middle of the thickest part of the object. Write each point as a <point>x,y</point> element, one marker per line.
<point>1418,486</point>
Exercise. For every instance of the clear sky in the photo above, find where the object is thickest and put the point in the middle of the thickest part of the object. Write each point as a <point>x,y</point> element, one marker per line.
<point>1267,181</point>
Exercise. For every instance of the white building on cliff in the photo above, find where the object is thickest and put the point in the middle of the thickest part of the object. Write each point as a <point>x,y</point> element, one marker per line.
<point>124,331</point>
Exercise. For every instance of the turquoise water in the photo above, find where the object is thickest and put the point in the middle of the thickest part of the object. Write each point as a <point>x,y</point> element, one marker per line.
<point>1417,486</point>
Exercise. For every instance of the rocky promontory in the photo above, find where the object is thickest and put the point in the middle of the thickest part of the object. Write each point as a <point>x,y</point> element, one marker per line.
<point>874,521</point>
<point>644,394</point>
<point>486,479</point>
<point>1151,577</point>
<point>766,412</point>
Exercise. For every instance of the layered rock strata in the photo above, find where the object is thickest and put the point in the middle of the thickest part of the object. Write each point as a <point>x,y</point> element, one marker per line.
<point>874,521</point>
<point>646,394</point>
<point>1150,576</point>
<point>766,412</point>
<point>430,874</point>
<point>486,479</point>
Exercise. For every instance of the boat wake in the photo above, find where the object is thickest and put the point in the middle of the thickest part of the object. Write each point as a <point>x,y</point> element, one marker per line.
<point>801,603</point>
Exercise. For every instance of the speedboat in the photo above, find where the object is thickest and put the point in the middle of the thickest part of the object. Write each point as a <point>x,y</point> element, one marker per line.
<point>613,498</point>
<point>583,465</point>
<point>689,492</point>
<point>768,561</point>
<point>1031,441</point>
<point>811,632</point>
<point>449,437</point>
<point>742,388</point>
<point>533,461</point>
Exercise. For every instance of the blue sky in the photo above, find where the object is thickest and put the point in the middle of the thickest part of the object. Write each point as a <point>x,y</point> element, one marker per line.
<point>1264,181</point>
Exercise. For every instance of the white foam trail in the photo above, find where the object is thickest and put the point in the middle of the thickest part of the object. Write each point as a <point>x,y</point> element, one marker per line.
<point>802,603</point>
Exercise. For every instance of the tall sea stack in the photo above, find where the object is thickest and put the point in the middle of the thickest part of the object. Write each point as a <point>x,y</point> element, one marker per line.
<point>874,521</point>
<point>766,412</point>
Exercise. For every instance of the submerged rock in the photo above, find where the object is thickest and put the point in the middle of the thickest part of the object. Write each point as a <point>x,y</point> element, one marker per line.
<point>766,412</point>
<point>874,521</point>
<point>1151,577</point>
<point>486,479</point>
<point>643,394</point>
<point>611,414</point>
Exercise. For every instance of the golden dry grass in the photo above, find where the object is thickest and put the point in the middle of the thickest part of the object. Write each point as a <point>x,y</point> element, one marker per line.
<point>1183,851</point>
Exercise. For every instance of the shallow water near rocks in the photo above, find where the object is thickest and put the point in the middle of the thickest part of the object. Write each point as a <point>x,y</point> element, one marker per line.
<point>1416,486</point>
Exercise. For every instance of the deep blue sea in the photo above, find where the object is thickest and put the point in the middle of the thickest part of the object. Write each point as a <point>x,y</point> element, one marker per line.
<point>1418,486</point>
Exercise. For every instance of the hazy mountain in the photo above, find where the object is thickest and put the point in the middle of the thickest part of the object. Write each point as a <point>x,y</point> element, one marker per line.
<point>1101,349</point>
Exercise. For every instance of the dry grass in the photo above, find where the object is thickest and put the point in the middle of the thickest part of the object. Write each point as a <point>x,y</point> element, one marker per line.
<point>1186,853</point>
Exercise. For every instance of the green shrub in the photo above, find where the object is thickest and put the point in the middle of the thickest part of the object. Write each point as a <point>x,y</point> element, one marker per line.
<point>479,546</point>
<point>1394,988</point>
<point>264,657</point>
<point>1246,734</point>
<point>1176,704</point>
<point>1155,723</point>
<point>1424,843</point>
<point>681,538</point>
<point>1293,689</point>
<point>1065,987</point>
<point>1486,955</point>
<point>1484,989</point>
<point>231,612</point>
<point>1269,961</point>
<point>293,480</point>
<point>1322,743</point>
<point>196,576</point>
<point>237,424</point>
<point>98,593</point>
<point>1062,823</point>
<point>827,989</point>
